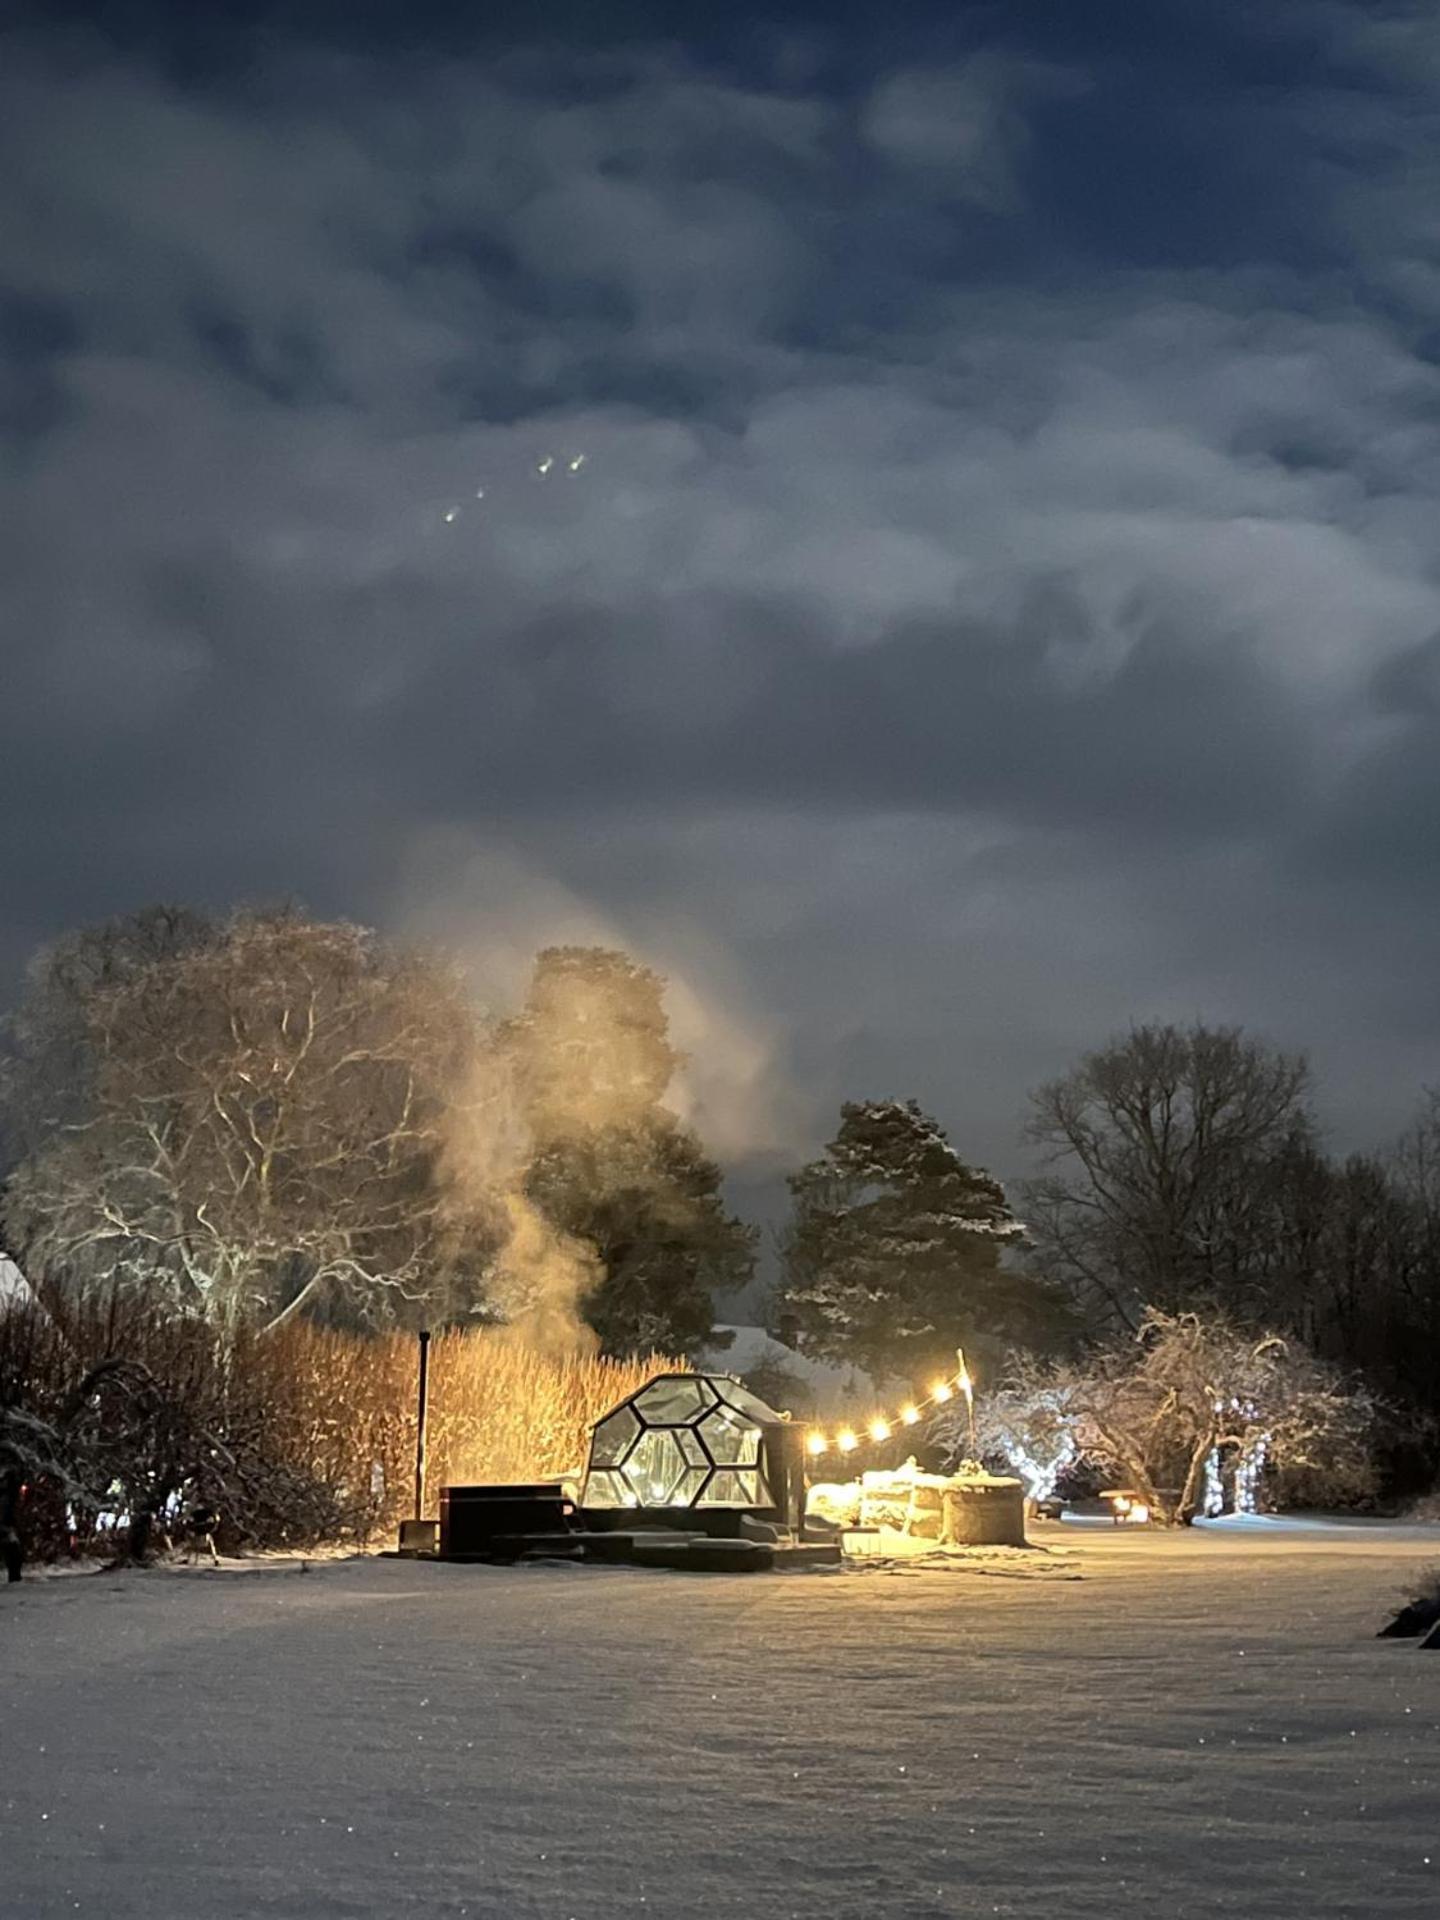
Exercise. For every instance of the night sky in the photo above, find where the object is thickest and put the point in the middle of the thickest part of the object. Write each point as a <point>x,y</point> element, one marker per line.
<point>996,598</point>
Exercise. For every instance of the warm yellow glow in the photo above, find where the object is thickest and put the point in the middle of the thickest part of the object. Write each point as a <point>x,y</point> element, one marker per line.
<point>879,1430</point>
<point>816,1443</point>
<point>1138,1513</point>
<point>846,1441</point>
<point>910,1414</point>
<point>1122,1503</point>
<point>966,1385</point>
<point>941,1390</point>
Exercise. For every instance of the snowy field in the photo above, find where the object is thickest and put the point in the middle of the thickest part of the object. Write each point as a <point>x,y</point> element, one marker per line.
<point>1161,1725</point>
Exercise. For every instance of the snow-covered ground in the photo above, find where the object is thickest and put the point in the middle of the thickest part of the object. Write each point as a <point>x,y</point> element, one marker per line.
<point>1197,1724</point>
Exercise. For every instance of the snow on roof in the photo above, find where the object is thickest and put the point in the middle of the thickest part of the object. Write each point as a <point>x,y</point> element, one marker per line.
<point>753,1347</point>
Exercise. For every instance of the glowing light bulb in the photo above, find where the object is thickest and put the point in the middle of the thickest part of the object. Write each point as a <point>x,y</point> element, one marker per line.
<point>577,463</point>
<point>879,1430</point>
<point>910,1414</point>
<point>816,1443</point>
<point>942,1390</point>
<point>544,466</point>
<point>846,1441</point>
<point>452,514</point>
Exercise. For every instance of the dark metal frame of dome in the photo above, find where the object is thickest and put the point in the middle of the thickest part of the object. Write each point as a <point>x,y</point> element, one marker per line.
<point>699,1451</point>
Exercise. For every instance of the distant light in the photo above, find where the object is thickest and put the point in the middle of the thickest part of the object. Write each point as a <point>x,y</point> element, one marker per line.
<point>879,1430</point>
<point>846,1441</point>
<point>816,1443</point>
<point>577,463</point>
<point>479,493</point>
<point>452,514</point>
<point>942,1390</point>
<point>546,464</point>
<point>910,1414</point>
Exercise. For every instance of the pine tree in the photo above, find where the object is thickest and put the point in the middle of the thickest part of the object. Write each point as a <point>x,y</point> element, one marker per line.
<point>892,1258</point>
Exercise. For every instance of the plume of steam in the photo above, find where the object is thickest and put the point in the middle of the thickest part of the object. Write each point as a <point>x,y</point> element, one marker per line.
<point>540,1278</point>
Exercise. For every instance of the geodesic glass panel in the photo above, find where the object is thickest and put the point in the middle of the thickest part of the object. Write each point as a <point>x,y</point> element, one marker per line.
<point>655,1467</point>
<point>691,1482</point>
<point>744,1402</point>
<point>731,1443</point>
<point>682,1440</point>
<point>669,1402</point>
<point>613,1437</point>
<point>606,1489</point>
<point>735,1489</point>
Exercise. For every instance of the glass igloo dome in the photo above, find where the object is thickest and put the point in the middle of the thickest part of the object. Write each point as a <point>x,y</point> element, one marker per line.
<point>691,1440</point>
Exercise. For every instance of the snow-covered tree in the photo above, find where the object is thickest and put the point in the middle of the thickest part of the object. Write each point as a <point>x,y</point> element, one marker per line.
<point>261,1130</point>
<point>1027,1422</point>
<point>893,1254</point>
<point>1158,1411</point>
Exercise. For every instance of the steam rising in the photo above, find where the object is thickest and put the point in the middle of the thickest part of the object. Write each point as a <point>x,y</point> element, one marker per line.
<point>485,906</point>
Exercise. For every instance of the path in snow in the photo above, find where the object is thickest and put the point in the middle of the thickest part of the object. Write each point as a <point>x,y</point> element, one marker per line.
<point>1202,1724</point>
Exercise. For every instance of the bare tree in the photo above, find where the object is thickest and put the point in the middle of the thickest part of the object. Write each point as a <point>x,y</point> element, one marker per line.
<point>46,1061</point>
<point>263,1129</point>
<point>1151,1147</point>
<point>1194,1385</point>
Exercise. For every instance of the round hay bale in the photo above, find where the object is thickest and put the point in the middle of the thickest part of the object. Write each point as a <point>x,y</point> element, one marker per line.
<point>985,1512</point>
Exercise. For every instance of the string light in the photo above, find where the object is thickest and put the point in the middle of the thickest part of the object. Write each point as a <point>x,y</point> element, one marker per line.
<point>881,1427</point>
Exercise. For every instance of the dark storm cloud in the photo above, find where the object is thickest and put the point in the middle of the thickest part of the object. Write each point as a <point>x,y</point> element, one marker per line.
<point>998,594</point>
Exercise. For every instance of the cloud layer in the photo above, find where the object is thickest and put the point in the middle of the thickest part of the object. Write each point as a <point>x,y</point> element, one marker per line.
<point>997,597</point>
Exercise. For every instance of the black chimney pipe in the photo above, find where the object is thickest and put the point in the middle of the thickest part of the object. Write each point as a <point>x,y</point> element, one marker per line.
<point>420,1424</point>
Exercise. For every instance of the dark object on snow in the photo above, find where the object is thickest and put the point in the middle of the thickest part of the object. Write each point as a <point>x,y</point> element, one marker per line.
<point>1418,1617</point>
<point>197,1530</point>
<point>478,1519</point>
<point>12,1493</point>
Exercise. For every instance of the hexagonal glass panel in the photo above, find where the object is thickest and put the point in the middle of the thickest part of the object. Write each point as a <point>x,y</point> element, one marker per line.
<point>731,1443</point>
<point>655,1466</point>
<point>606,1489</point>
<point>745,1402</point>
<point>730,1488</point>
<point>612,1438</point>
<point>691,1482</point>
<point>690,1446</point>
<point>669,1402</point>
